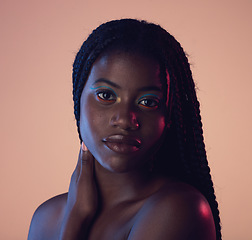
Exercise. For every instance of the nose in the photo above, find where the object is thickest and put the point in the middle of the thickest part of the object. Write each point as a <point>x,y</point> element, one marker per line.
<point>125,119</point>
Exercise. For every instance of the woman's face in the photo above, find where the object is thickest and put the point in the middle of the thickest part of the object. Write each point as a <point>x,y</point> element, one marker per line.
<point>122,111</point>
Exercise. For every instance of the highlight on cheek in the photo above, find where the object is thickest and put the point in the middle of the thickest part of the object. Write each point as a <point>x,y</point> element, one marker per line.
<point>149,101</point>
<point>204,210</point>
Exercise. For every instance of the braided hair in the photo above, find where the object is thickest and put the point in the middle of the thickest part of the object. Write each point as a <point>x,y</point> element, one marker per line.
<point>182,153</point>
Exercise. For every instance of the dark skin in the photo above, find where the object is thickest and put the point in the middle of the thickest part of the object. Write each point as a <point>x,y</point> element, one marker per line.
<point>113,194</point>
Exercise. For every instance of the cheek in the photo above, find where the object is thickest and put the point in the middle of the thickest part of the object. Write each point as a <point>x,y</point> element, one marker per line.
<point>160,129</point>
<point>156,128</point>
<point>90,119</point>
<point>161,124</point>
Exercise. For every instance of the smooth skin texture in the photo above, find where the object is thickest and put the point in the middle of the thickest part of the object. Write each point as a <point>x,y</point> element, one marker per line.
<point>116,101</point>
<point>112,194</point>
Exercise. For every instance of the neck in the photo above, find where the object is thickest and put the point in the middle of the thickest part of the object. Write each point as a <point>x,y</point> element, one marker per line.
<point>115,188</point>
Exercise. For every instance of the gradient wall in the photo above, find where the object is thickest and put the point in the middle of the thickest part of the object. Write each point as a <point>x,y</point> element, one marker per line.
<point>39,142</point>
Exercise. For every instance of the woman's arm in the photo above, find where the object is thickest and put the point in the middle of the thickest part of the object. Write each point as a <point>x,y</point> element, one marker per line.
<point>82,199</point>
<point>68,217</point>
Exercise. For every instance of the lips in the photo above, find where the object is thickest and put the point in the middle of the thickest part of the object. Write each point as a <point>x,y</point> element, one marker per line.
<point>122,144</point>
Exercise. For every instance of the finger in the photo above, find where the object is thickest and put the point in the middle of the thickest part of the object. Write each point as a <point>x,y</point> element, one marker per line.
<point>87,163</point>
<point>84,147</point>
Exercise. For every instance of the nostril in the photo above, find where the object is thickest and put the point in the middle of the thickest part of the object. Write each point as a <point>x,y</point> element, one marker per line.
<point>125,121</point>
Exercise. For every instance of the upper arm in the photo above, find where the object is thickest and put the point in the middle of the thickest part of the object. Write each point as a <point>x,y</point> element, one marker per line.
<point>179,216</point>
<point>46,220</point>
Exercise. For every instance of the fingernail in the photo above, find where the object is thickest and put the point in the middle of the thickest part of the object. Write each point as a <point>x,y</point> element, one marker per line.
<point>83,146</point>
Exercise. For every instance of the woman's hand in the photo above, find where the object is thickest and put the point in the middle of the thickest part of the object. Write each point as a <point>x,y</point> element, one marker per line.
<point>82,193</point>
<point>82,198</point>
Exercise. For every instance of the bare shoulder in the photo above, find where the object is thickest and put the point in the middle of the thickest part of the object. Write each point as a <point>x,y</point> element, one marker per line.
<point>47,218</point>
<point>176,211</point>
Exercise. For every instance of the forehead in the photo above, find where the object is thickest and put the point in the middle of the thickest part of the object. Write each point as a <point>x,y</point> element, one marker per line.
<point>126,70</point>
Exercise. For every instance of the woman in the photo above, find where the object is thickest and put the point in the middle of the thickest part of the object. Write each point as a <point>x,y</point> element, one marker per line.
<point>142,171</point>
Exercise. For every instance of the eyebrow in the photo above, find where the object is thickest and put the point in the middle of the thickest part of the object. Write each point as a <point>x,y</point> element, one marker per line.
<point>150,88</point>
<point>104,80</point>
<point>147,88</point>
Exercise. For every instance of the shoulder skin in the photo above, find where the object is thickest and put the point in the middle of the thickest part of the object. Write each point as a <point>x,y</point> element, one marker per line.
<point>47,219</point>
<point>175,212</point>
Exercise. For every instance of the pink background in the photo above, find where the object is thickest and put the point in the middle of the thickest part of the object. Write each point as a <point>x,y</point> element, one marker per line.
<point>39,142</point>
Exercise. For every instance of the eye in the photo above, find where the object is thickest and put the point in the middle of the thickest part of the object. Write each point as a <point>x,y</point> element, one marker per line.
<point>149,103</point>
<point>106,96</point>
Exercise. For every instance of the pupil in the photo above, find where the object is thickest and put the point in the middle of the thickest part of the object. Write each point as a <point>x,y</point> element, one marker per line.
<point>147,102</point>
<point>106,95</point>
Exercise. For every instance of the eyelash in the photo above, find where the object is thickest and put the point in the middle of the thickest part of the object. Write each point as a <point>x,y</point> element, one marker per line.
<point>144,102</point>
<point>100,95</point>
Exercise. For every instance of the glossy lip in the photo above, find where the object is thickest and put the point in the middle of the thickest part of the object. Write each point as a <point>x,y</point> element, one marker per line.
<point>122,143</point>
